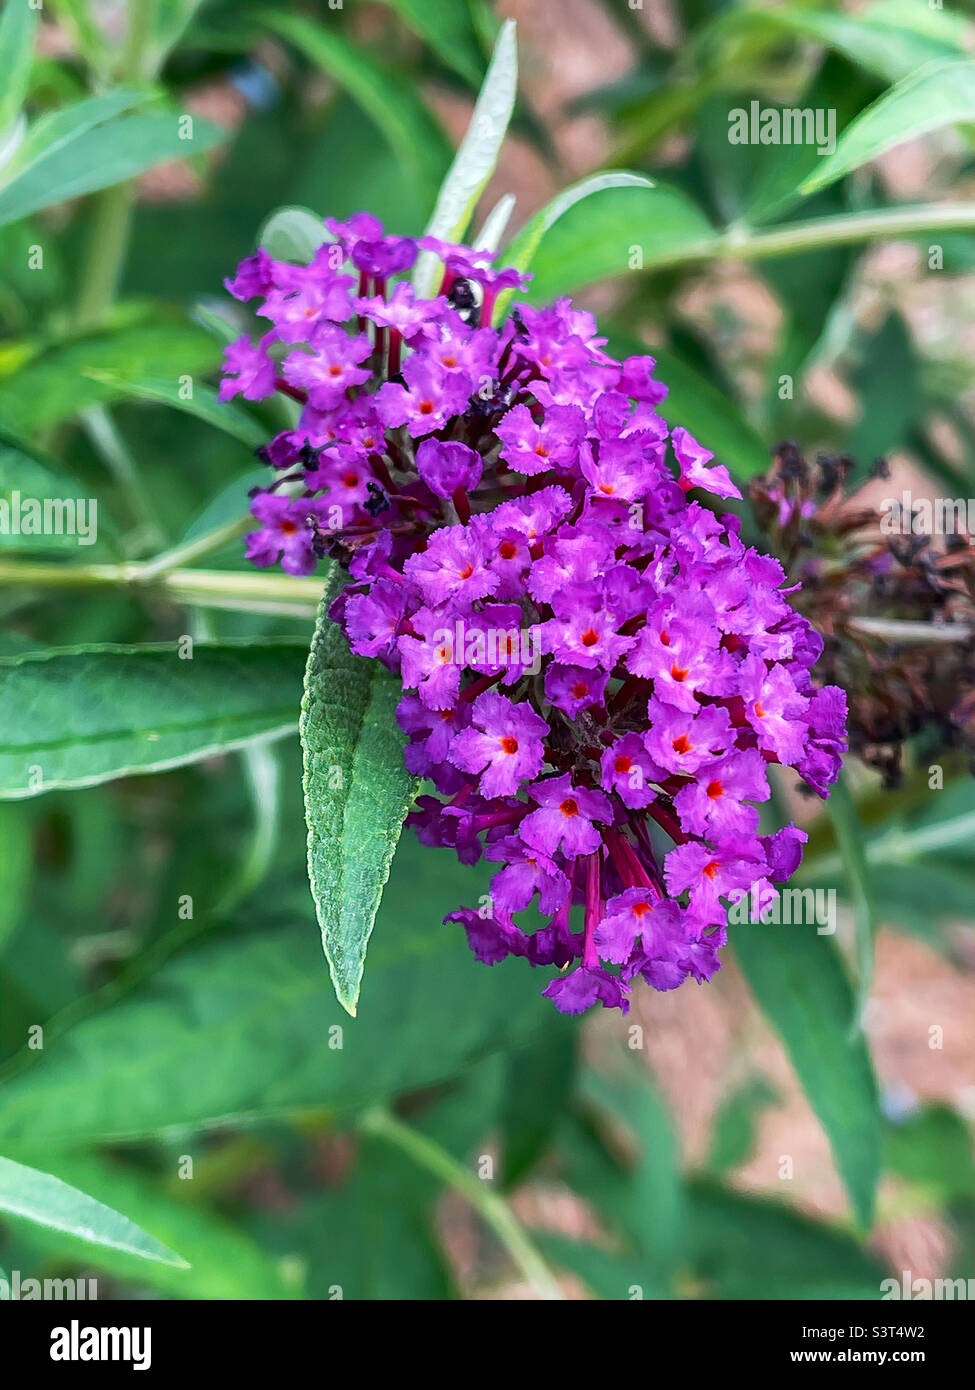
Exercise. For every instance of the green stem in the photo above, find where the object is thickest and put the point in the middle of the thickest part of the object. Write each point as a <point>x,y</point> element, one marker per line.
<point>192,550</point>
<point>489,1205</point>
<point>818,232</point>
<point>109,233</point>
<point>896,846</point>
<point>246,591</point>
<point>792,238</point>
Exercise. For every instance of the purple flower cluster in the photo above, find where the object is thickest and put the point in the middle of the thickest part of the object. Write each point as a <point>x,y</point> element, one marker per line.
<point>597,671</point>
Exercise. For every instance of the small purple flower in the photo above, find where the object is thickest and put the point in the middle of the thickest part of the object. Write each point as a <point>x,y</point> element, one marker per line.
<point>693,461</point>
<point>330,368</point>
<point>447,467</point>
<point>249,370</point>
<point>426,402</point>
<point>628,770</point>
<point>532,448</point>
<point>565,817</point>
<point>577,991</point>
<point>575,688</point>
<point>504,744</point>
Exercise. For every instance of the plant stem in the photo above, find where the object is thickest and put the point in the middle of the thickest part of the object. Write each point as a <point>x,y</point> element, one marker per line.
<point>896,630</point>
<point>494,1209</point>
<point>109,233</point>
<point>192,550</point>
<point>792,238</point>
<point>251,592</point>
<point>895,846</point>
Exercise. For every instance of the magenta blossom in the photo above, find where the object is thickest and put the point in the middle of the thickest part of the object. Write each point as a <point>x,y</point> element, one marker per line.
<point>597,671</point>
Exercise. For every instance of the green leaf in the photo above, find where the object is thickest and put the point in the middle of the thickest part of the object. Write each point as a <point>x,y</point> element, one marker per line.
<point>932,1151</point>
<point>15,869</point>
<point>477,155</point>
<point>75,717</point>
<point>61,382</point>
<point>388,97</point>
<point>357,794</point>
<point>249,1027</point>
<point>18,25</point>
<point>538,1084</point>
<point>887,386</point>
<point>223,1262</point>
<point>101,156</point>
<point>83,520</point>
<point>735,1124</point>
<point>447,27</point>
<point>39,1197</point>
<point>204,403</point>
<point>889,40</point>
<point>624,230</point>
<point>371,1236</point>
<point>849,836</point>
<point>61,129</point>
<point>521,252</point>
<point>293,234</point>
<point>608,1274</point>
<point>654,1203</point>
<point>940,94</point>
<point>744,1247</point>
<point>798,979</point>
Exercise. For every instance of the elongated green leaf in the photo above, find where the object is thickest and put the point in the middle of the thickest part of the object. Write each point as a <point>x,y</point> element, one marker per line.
<point>478,153</point>
<point>800,985</point>
<point>78,716</point>
<point>60,383</point>
<point>61,129</point>
<point>388,97</point>
<point>850,838</point>
<point>36,1196</point>
<point>357,794</point>
<point>890,40</point>
<point>940,94</point>
<point>624,229</point>
<point>203,403</point>
<point>371,1236</point>
<point>15,867</point>
<point>18,24</point>
<point>447,28</point>
<point>74,523</point>
<point>752,1248</point>
<point>538,1083</point>
<point>654,1204</point>
<point>521,251</point>
<point>250,1027</point>
<point>101,156</point>
<point>222,1261</point>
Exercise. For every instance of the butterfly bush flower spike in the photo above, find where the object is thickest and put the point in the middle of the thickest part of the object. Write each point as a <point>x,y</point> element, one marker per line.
<point>597,671</point>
